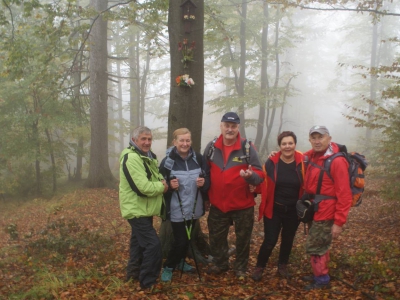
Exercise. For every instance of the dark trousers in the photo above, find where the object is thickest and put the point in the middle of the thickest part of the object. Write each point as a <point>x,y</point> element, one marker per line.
<point>181,243</point>
<point>285,221</point>
<point>145,256</point>
<point>218,227</point>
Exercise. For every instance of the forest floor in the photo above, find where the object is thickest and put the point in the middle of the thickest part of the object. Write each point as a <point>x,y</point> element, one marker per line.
<point>75,246</point>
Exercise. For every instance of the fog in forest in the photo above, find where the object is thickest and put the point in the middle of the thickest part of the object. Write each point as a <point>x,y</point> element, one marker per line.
<point>66,67</point>
<point>327,46</point>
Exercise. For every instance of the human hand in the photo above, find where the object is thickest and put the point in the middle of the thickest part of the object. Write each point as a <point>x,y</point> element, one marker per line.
<point>246,173</point>
<point>252,188</point>
<point>200,181</point>
<point>336,231</point>
<point>165,186</point>
<point>174,183</point>
<point>272,154</point>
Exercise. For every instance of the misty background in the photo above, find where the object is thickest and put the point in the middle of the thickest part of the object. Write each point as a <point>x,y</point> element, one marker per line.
<point>78,76</point>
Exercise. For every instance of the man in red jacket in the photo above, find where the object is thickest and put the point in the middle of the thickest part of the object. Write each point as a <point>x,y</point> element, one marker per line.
<point>331,213</point>
<point>233,165</point>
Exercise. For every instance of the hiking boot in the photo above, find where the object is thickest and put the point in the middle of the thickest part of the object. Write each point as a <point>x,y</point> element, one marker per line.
<point>316,286</point>
<point>216,270</point>
<point>309,278</point>
<point>257,273</point>
<point>283,271</point>
<point>186,267</point>
<point>166,274</point>
<point>240,274</point>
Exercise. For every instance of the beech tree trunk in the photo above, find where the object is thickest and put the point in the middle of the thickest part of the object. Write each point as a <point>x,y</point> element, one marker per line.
<point>186,103</point>
<point>99,169</point>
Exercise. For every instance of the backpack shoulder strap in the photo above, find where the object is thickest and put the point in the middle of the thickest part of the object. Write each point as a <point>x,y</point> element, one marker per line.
<point>246,149</point>
<point>328,162</point>
<point>129,178</point>
<point>210,154</point>
<point>146,167</point>
<point>198,159</point>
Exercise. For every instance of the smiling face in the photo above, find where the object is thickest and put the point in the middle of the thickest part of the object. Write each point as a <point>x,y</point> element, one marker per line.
<point>229,132</point>
<point>144,142</point>
<point>320,142</point>
<point>287,147</point>
<point>182,143</point>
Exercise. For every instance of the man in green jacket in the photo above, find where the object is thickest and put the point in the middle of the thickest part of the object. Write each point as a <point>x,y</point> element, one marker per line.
<point>141,191</point>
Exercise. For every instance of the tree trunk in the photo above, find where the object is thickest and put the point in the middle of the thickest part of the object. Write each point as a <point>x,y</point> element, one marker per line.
<point>186,103</point>
<point>99,170</point>
<point>36,143</point>
<point>120,116</point>
<point>286,92</point>
<point>112,118</point>
<point>271,118</point>
<point>242,72</point>
<point>79,111</point>
<point>52,160</point>
<point>143,85</point>
<point>134,103</point>
<point>263,78</point>
<point>119,96</point>
<point>373,85</point>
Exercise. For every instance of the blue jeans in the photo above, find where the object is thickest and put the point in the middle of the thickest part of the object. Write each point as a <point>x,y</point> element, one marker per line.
<point>285,221</point>
<point>145,255</point>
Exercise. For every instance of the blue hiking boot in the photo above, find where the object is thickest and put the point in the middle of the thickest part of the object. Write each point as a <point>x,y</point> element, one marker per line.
<point>186,267</point>
<point>166,274</point>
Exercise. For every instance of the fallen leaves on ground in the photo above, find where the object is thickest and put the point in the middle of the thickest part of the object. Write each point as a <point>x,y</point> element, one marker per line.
<point>76,247</point>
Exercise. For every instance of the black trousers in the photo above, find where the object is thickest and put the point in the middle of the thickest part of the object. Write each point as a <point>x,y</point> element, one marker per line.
<point>145,257</point>
<point>285,221</point>
<point>181,243</point>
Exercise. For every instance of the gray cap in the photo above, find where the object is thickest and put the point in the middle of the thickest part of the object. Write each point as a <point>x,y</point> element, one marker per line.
<point>319,129</point>
<point>231,117</point>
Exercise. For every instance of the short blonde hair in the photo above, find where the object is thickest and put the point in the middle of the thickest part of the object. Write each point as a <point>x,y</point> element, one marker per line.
<point>180,131</point>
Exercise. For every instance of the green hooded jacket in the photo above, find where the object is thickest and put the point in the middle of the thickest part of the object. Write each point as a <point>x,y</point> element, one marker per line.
<point>140,187</point>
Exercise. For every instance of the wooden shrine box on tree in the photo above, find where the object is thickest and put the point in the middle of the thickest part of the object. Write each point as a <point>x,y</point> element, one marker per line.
<point>188,14</point>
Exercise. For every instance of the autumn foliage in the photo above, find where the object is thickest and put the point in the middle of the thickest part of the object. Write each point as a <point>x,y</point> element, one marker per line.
<point>76,247</point>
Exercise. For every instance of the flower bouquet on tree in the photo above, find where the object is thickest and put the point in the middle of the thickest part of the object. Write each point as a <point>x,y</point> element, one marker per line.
<point>187,51</point>
<point>184,80</point>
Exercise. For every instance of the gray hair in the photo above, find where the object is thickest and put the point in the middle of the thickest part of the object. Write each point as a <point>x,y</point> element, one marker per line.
<point>139,130</point>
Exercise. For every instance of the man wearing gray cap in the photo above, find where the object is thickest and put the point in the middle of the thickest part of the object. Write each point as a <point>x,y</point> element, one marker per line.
<point>331,212</point>
<point>233,165</point>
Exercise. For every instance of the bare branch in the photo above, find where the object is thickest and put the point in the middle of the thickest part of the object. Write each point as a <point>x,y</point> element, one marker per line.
<point>12,18</point>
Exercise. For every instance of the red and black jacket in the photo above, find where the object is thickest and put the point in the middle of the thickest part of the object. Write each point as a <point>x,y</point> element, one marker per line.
<point>228,190</point>
<point>337,207</point>
<point>267,188</point>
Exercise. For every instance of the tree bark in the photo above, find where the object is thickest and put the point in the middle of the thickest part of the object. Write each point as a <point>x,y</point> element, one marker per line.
<point>242,72</point>
<point>99,170</point>
<point>134,103</point>
<point>186,103</point>
<point>373,84</point>
<point>263,77</point>
<point>271,117</point>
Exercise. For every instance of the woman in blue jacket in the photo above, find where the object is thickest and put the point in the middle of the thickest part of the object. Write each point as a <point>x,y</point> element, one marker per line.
<point>182,168</point>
